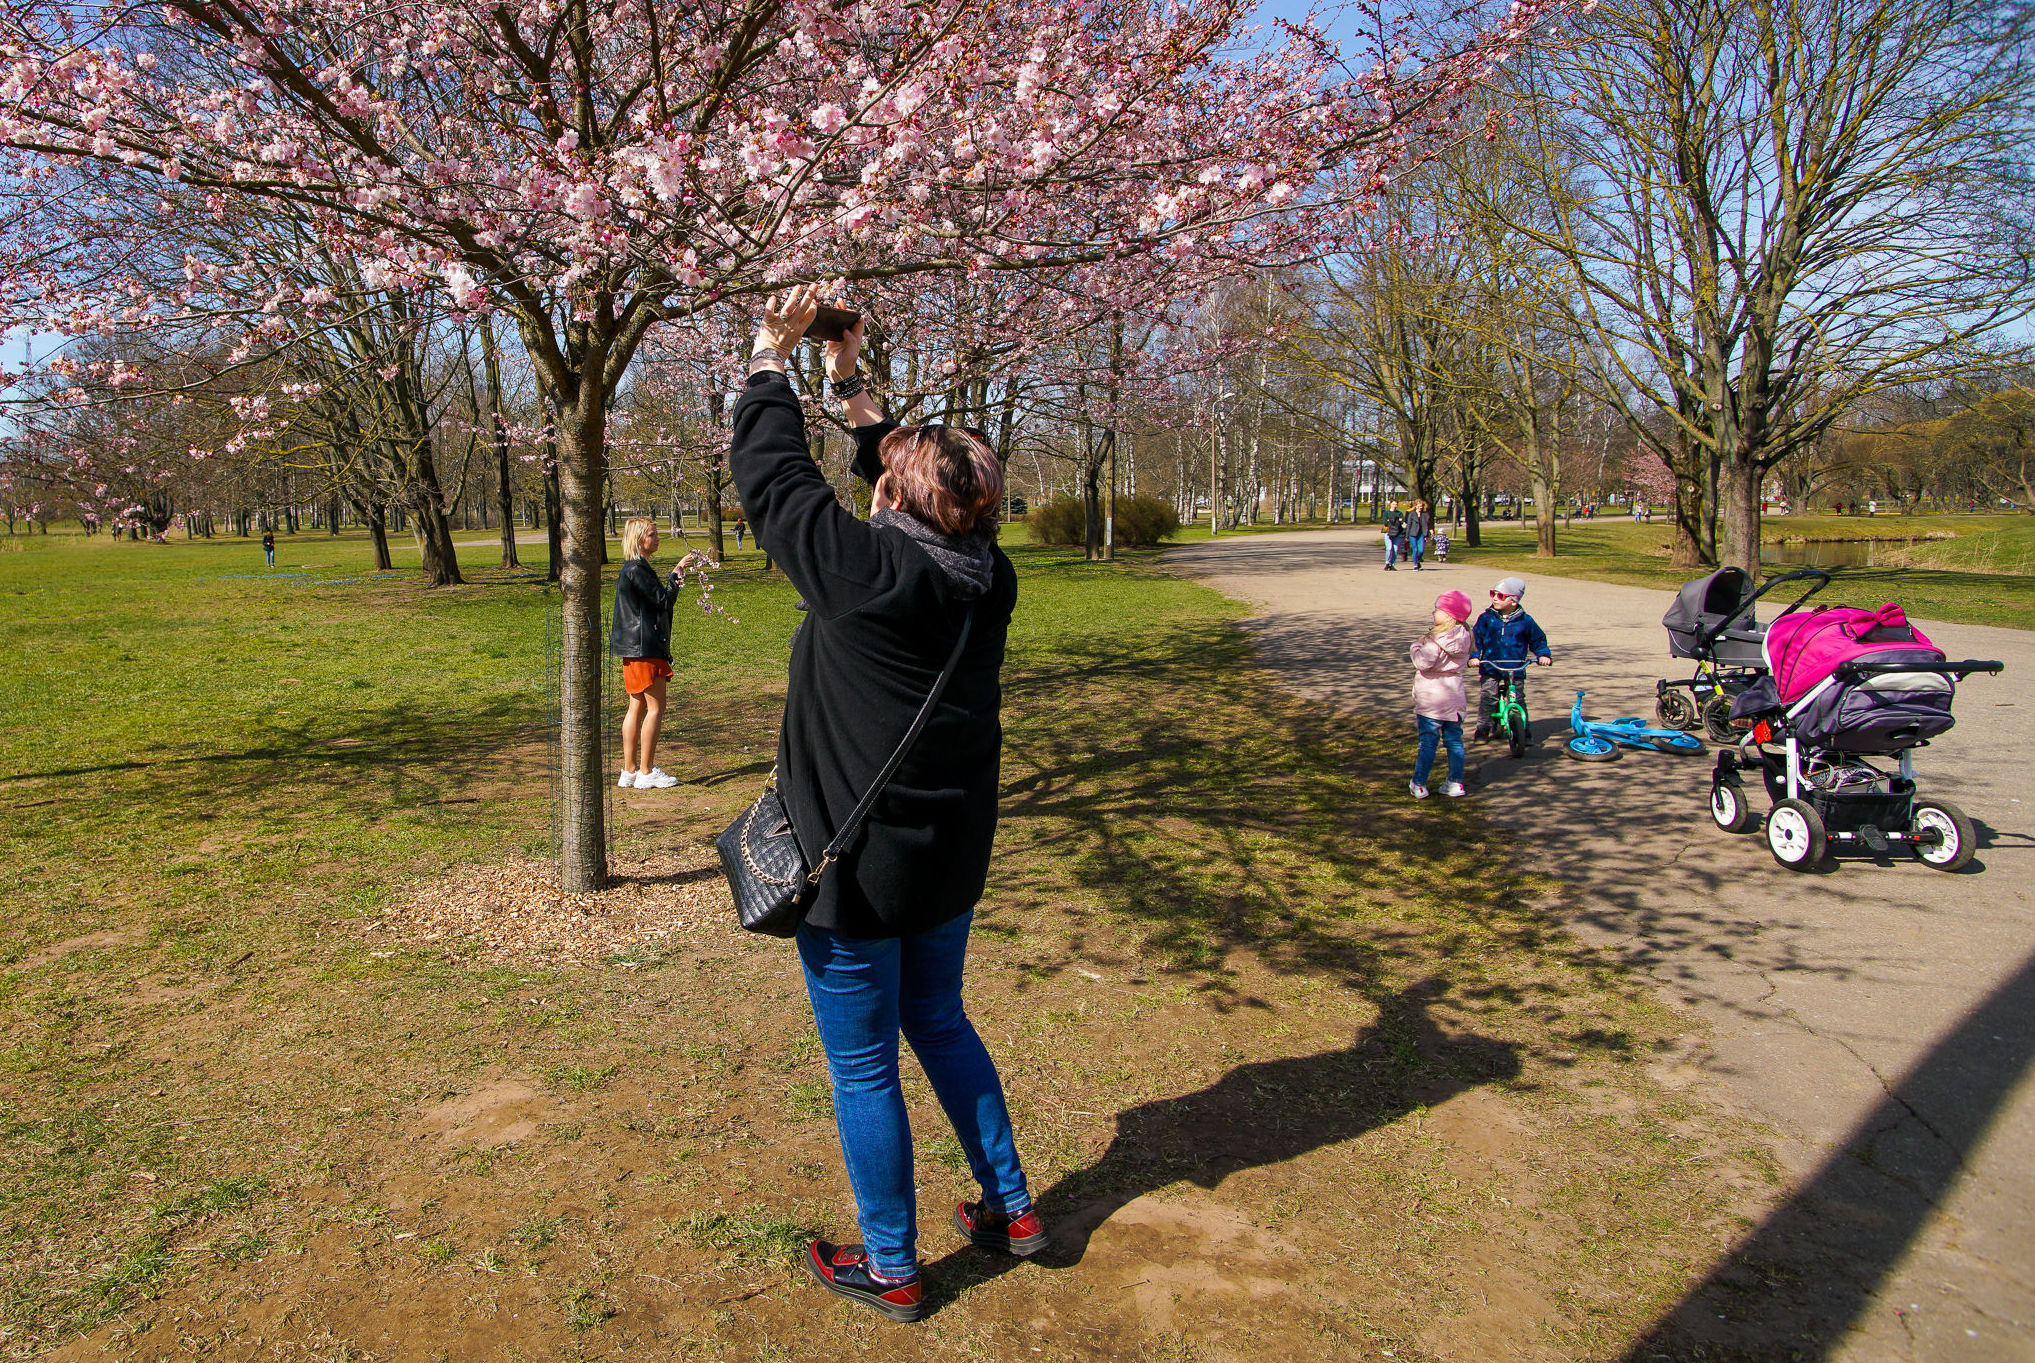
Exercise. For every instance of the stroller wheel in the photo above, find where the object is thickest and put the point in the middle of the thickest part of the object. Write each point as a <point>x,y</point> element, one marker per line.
<point>1728,809</point>
<point>1675,710</point>
<point>1717,720</point>
<point>1795,835</point>
<point>1956,840</point>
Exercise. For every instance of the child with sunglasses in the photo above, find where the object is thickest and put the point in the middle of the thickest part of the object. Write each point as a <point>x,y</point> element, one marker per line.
<point>1505,633</point>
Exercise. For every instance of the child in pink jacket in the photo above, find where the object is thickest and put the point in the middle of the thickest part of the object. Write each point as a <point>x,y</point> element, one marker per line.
<point>1438,699</point>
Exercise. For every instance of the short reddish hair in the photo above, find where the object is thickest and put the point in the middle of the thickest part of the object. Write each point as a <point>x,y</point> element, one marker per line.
<point>946,476</point>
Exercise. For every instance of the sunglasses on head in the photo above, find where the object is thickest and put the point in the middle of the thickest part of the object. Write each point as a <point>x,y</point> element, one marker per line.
<point>975,431</point>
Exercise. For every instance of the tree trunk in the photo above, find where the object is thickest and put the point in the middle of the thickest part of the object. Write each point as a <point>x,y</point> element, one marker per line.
<point>492,364</point>
<point>1091,508</point>
<point>1739,513</point>
<point>375,517</point>
<point>582,813</point>
<point>433,532</point>
<point>1543,517</point>
<point>1473,526</point>
<point>332,514</point>
<point>554,514</point>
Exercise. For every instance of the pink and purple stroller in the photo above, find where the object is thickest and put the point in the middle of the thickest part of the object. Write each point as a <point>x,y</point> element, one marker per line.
<point>1843,686</point>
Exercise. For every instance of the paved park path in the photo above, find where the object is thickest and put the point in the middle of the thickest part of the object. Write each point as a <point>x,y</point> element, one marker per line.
<point>1879,1018</point>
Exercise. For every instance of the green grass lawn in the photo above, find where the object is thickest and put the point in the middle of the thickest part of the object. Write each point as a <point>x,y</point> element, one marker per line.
<point>1985,575</point>
<point>1214,910</point>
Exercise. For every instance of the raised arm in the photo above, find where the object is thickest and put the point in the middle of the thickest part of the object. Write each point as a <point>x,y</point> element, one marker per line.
<point>858,403</point>
<point>834,559</point>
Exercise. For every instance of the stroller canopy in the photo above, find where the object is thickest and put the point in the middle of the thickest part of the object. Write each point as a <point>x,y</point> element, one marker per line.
<point>1696,622</point>
<point>1803,650</point>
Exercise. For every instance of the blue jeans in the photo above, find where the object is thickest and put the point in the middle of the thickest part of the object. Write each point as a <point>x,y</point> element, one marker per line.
<point>1448,732</point>
<point>1417,544</point>
<point>1391,549</point>
<point>863,991</point>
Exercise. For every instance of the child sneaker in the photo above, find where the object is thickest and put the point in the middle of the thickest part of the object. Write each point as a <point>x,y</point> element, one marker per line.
<point>657,778</point>
<point>845,1271</point>
<point>1419,791</point>
<point>628,781</point>
<point>1021,1234</point>
<point>1455,790</point>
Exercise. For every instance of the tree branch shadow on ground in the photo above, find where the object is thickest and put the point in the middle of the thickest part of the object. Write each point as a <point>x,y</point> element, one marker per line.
<point>1791,1290</point>
<point>1258,1114</point>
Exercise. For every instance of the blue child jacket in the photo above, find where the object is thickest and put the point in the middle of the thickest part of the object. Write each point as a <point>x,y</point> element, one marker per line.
<point>1508,641</point>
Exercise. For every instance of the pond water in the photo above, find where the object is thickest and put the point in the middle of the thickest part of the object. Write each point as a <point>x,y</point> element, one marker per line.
<point>1826,553</point>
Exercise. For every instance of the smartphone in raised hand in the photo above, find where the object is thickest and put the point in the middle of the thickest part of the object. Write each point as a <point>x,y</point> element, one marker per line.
<point>832,324</point>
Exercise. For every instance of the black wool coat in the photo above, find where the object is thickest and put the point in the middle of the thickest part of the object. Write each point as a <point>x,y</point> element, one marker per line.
<point>881,618</point>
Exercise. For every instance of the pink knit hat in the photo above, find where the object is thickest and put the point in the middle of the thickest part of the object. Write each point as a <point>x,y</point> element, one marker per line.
<point>1455,603</point>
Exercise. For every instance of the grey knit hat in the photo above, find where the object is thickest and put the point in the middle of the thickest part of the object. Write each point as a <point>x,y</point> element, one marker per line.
<point>1514,587</point>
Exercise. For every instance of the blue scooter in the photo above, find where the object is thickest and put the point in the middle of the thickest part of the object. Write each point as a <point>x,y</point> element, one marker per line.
<point>1605,740</point>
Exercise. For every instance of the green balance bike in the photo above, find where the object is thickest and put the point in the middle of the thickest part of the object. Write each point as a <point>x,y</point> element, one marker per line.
<point>1508,709</point>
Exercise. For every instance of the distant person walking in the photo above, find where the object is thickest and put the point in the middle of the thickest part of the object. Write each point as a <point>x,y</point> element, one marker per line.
<point>268,546</point>
<point>641,638</point>
<point>741,529</point>
<point>883,942</point>
<point>1419,525</point>
<point>1395,536</point>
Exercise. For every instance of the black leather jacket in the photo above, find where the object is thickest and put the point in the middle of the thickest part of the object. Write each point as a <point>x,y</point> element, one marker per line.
<point>643,602</point>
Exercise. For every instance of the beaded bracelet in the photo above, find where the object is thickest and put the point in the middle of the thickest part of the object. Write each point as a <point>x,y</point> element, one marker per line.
<point>850,386</point>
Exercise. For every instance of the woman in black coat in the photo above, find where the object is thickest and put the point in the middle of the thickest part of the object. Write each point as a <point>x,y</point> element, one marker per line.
<point>641,637</point>
<point>883,942</point>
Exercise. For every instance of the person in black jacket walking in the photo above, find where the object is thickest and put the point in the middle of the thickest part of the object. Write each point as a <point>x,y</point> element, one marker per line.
<point>883,942</point>
<point>1419,525</point>
<point>641,637</point>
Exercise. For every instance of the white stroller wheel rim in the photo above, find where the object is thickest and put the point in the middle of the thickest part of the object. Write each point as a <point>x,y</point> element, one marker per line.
<point>1931,819</point>
<point>1724,804</point>
<point>1788,835</point>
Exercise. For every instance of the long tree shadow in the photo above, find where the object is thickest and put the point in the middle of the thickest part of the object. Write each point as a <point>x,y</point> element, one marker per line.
<point>1794,1287</point>
<point>1258,1114</point>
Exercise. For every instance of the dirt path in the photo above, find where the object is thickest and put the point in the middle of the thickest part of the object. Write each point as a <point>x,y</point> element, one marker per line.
<point>1880,1018</point>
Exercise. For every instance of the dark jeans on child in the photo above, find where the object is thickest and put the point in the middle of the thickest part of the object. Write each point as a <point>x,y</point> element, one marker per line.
<point>1446,733</point>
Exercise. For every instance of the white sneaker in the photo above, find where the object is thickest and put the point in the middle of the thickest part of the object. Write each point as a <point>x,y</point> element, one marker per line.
<point>1419,791</point>
<point>1455,789</point>
<point>628,780</point>
<point>657,778</point>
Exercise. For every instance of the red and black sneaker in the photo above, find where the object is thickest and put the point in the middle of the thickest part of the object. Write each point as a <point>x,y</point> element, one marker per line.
<point>1020,1234</point>
<point>844,1269</point>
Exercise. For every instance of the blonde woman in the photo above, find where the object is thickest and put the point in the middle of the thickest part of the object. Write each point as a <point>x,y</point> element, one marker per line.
<point>641,638</point>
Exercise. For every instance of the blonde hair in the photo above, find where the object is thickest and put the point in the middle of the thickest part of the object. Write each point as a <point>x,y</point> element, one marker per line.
<point>632,535</point>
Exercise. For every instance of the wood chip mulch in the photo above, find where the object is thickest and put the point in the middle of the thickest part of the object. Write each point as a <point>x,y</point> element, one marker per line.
<point>515,911</point>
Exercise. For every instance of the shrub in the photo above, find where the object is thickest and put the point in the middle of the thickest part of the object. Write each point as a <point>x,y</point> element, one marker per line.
<point>1141,522</point>
<point>1057,522</point>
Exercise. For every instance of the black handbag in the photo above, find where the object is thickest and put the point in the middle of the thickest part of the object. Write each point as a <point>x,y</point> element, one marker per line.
<point>766,869</point>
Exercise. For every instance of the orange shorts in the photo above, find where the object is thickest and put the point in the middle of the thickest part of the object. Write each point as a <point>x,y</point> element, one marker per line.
<point>640,674</point>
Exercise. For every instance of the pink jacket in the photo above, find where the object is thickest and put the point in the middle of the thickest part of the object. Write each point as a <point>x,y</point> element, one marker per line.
<point>1438,674</point>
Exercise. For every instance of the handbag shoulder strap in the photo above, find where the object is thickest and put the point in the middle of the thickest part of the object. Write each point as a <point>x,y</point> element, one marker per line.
<point>848,830</point>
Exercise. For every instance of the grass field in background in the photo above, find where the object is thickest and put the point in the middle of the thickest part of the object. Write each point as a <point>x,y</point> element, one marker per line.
<point>214,776</point>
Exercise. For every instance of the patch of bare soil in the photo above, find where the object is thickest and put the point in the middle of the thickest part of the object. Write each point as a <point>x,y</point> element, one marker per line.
<point>515,910</point>
<point>56,951</point>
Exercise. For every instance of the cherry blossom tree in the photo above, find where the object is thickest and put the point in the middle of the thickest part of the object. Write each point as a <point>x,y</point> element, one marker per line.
<point>594,171</point>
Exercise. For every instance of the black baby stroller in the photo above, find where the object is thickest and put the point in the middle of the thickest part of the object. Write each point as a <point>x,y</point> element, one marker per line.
<point>1842,686</point>
<point>1715,621</point>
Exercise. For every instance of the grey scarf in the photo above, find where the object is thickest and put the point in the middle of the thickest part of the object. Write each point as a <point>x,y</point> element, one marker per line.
<point>966,560</point>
